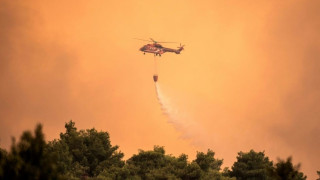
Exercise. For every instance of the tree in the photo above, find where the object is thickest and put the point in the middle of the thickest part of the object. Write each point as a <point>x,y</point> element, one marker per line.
<point>207,161</point>
<point>252,165</point>
<point>3,157</point>
<point>210,167</point>
<point>145,163</point>
<point>192,171</point>
<point>85,152</point>
<point>156,164</point>
<point>28,159</point>
<point>286,171</point>
<point>318,172</point>
<point>60,151</point>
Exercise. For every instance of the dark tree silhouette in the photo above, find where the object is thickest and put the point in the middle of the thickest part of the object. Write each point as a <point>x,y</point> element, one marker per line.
<point>207,161</point>
<point>28,158</point>
<point>286,171</point>
<point>88,154</point>
<point>252,165</point>
<point>84,153</point>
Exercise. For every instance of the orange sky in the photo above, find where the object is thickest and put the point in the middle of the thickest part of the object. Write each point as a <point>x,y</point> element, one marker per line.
<point>248,78</point>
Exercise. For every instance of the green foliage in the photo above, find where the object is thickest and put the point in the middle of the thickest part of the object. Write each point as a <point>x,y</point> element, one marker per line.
<point>318,172</point>
<point>207,161</point>
<point>84,153</point>
<point>156,165</point>
<point>3,157</point>
<point>286,171</point>
<point>252,165</point>
<point>28,159</point>
<point>214,174</point>
<point>88,154</point>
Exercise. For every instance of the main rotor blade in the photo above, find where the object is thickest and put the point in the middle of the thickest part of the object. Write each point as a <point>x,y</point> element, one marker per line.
<point>166,42</point>
<point>160,41</point>
<point>153,40</point>
<point>143,39</point>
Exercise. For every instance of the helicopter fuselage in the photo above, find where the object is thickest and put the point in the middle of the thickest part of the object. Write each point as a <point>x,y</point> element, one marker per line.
<point>158,49</point>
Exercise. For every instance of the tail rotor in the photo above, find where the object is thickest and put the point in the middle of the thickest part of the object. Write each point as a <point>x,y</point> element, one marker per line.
<point>181,47</point>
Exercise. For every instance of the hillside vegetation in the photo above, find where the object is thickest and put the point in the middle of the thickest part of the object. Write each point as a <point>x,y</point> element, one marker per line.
<point>89,154</point>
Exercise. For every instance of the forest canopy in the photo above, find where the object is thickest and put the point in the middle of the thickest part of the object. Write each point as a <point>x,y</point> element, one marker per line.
<point>89,154</point>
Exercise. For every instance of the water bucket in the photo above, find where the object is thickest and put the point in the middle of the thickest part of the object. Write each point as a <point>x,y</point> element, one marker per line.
<point>155,78</point>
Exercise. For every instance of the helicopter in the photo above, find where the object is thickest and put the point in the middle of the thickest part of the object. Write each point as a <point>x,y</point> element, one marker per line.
<point>157,49</point>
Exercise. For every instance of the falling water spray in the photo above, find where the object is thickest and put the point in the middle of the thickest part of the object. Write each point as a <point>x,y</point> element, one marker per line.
<point>188,128</point>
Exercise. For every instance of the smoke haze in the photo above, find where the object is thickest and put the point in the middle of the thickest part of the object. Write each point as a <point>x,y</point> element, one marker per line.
<point>248,78</point>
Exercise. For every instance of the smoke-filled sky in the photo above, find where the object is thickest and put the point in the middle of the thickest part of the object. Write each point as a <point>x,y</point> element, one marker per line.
<point>249,77</point>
